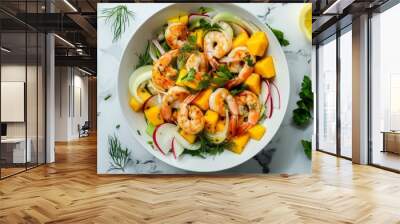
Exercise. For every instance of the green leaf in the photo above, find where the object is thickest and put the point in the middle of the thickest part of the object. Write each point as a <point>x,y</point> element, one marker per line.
<point>302,114</point>
<point>222,76</point>
<point>238,89</point>
<point>107,97</point>
<point>204,10</point>
<point>119,17</point>
<point>120,157</point>
<point>208,148</point>
<point>307,148</point>
<point>190,76</point>
<point>144,59</point>
<point>280,36</point>
<point>207,27</point>
<point>249,61</point>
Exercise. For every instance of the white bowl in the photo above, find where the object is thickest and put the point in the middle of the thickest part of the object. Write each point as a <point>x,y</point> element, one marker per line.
<point>137,122</point>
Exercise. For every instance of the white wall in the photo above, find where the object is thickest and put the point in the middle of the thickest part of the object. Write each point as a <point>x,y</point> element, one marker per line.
<point>70,83</point>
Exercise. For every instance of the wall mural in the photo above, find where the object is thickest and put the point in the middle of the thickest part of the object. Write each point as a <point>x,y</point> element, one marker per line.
<point>210,88</point>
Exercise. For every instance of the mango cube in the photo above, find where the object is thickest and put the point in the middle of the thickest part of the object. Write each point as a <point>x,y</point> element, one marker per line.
<point>143,94</point>
<point>258,43</point>
<point>265,67</point>
<point>239,142</point>
<point>191,84</point>
<point>189,137</point>
<point>257,132</point>
<point>254,83</point>
<point>202,99</point>
<point>220,126</point>
<point>199,33</point>
<point>153,115</point>
<point>135,105</point>
<point>179,19</point>
<point>240,40</point>
<point>211,119</point>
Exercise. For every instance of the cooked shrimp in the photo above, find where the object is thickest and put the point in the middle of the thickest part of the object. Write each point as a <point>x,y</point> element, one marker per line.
<point>163,74</point>
<point>239,63</point>
<point>172,99</point>
<point>216,45</point>
<point>190,117</point>
<point>249,110</point>
<point>176,35</point>
<point>218,99</point>
<point>198,62</point>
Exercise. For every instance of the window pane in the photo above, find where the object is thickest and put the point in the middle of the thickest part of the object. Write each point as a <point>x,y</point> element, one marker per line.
<point>327,97</point>
<point>346,94</point>
<point>385,84</point>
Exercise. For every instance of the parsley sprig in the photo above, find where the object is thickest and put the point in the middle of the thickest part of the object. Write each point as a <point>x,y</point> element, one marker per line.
<point>222,76</point>
<point>280,36</point>
<point>190,76</point>
<point>302,114</point>
<point>190,45</point>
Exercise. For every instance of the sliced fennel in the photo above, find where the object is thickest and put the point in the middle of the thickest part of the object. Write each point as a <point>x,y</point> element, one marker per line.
<point>229,17</point>
<point>139,76</point>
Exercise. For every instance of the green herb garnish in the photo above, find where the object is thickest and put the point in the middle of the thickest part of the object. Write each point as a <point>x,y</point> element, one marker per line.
<point>119,17</point>
<point>190,45</point>
<point>165,46</point>
<point>144,59</point>
<point>107,97</point>
<point>151,144</point>
<point>207,27</point>
<point>249,61</point>
<point>117,126</point>
<point>138,132</point>
<point>280,36</point>
<point>208,148</point>
<point>222,76</point>
<point>238,89</point>
<point>307,148</point>
<point>302,114</point>
<point>204,10</point>
<point>190,76</point>
<point>119,157</point>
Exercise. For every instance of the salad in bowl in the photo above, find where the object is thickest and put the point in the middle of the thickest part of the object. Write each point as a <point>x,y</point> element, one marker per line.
<point>205,85</point>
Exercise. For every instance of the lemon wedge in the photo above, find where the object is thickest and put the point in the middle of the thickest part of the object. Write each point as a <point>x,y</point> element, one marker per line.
<point>305,20</point>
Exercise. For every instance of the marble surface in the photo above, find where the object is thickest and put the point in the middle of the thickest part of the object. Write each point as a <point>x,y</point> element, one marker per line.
<point>284,154</point>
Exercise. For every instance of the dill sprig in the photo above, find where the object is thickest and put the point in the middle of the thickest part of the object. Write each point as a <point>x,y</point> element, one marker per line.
<point>119,157</point>
<point>119,17</point>
<point>144,59</point>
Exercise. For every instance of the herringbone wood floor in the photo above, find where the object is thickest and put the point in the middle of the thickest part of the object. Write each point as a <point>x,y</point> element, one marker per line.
<point>70,191</point>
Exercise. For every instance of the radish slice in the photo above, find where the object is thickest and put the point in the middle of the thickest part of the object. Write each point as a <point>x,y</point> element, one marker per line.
<point>152,101</point>
<point>163,135</point>
<point>139,76</point>
<point>279,95</point>
<point>265,92</point>
<point>185,144</point>
<point>269,106</point>
<point>219,137</point>
<point>177,149</point>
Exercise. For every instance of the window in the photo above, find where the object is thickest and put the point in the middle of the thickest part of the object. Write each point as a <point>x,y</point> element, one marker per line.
<point>385,89</point>
<point>327,96</point>
<point>346,93</point>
